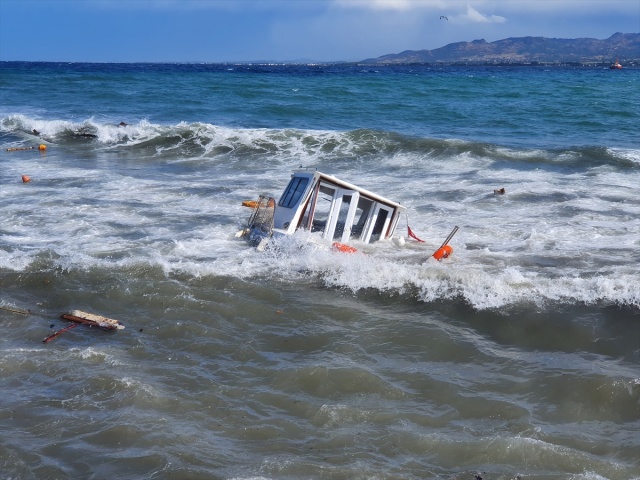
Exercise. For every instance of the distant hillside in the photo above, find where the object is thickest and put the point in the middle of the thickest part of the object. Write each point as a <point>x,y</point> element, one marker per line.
<point>625,46</point>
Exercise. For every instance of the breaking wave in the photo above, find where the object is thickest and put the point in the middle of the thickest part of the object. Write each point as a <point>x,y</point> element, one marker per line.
<point>190,141</point>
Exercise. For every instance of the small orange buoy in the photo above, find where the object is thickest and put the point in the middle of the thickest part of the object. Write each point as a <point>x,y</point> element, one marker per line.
<point>250,203</point>
<point>341,247</point>
<point>42,147</point>
<point>26,178</point>
<point>443,252</point>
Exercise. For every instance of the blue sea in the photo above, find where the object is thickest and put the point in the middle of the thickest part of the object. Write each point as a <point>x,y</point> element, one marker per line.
<point>518,357</point>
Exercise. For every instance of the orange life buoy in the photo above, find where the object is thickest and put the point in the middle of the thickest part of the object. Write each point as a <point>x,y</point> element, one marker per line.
<point>341,247</point>
<point>443,252</point>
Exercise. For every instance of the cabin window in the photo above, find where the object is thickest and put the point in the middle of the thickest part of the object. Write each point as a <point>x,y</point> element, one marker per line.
<point>323,208</point>
<point>360,219</point>
<point>379,225</point>
<point>342,217</point>
<point>294,191</point>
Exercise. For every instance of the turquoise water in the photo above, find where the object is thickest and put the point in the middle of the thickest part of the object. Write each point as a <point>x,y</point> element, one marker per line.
<point>522,106</point>
<point>518,355</point>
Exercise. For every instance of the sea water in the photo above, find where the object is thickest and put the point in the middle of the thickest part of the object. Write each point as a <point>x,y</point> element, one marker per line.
<point>516,357</point>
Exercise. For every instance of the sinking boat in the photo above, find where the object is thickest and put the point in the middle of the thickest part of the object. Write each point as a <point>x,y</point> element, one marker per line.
<point>339,212</point>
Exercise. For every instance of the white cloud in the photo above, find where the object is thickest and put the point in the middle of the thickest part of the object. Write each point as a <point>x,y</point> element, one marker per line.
<point>192,5</point>
<point>396,5</point>
<point>475,16</point>
<point>473,7</point>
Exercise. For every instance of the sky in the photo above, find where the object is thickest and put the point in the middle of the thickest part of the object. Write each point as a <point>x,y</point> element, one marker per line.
<point>287,30</point>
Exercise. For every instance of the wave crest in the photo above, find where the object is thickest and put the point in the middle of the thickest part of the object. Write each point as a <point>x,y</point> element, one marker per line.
<point>188,141</point>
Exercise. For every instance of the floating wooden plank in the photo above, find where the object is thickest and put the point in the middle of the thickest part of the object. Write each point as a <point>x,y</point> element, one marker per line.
<point>59,332</point>
<point>15,310</point>
<point>92,320</point>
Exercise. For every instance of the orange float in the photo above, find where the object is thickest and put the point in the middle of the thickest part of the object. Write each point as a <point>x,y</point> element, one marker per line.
<point>26,178</point>
<point>42,147</point>
<point>255,203</point>
<point>443,252</point>
<point>341,247</point>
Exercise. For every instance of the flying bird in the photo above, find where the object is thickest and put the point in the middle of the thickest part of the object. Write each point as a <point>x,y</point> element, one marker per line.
<point>442,16</point>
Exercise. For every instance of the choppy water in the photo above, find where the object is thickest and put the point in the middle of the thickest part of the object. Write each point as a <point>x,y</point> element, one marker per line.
<point>519,355</point>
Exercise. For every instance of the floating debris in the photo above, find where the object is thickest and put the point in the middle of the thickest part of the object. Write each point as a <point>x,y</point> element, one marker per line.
<point>85,318</point>
<point>15,310</point>
<point>15,149</point>
<point>59,332</point>
<point>92,320</point>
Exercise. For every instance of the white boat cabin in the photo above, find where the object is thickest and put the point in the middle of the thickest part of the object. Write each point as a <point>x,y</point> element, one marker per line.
<point>318,202</point>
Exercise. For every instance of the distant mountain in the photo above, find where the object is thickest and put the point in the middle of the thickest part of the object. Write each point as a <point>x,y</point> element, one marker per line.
<point>625,46</point>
